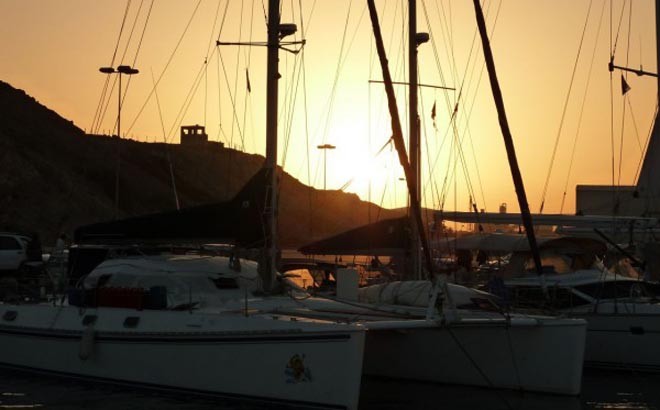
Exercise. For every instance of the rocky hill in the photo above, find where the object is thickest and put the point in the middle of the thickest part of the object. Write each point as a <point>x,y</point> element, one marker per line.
<point>54,177</point>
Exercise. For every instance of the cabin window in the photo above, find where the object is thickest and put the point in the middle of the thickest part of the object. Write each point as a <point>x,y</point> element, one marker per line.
<point>8,243</point>
<point>483,304</point>
<point>564,298</point>
<point>552,264</point>
<point>10,315</point>
<point>533,297</point>
<point>620,289</point>
<point>225,283</point>
<point>89,320</point>
<point>131,321</point>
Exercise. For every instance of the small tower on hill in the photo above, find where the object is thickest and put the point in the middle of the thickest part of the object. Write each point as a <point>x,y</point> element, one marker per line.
<point>193,135</point>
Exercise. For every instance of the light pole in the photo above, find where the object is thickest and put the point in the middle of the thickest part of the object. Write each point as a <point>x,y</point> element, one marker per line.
<point>122,69</point>
<point>325,148</point>
<point>128,70</point>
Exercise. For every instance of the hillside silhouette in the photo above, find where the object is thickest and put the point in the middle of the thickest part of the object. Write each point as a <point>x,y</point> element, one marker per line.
<point>54,178</point>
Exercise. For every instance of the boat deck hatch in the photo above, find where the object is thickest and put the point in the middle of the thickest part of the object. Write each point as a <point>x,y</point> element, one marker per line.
<point>10,315</point>
<point>131,321</point>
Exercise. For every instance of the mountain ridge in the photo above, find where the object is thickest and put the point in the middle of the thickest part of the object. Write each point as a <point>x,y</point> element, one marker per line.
<point>54,177</point>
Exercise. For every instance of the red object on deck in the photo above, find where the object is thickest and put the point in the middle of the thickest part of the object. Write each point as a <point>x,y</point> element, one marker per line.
<point>120,297</point>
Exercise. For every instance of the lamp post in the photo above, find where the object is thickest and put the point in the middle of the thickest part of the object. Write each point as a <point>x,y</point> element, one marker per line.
<point>325,148</point>
<point>122,69</point>
<point>128,70</point>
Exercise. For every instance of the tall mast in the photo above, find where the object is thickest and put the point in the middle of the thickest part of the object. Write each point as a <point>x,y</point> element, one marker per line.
<point>397,134</point>
<point>270,258</point>
<point>508,139</point>
<point>413,138</point>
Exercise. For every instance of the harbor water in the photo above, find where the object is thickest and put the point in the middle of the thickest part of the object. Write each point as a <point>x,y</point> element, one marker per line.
<point>601,390</point>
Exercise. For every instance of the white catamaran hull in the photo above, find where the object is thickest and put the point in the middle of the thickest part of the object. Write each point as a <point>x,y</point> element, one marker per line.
<point>301,362</point>
<point>529,354</point>
<point>628,339</point>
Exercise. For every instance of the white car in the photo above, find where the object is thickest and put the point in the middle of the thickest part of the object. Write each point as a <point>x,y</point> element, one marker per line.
<point>13,251</point>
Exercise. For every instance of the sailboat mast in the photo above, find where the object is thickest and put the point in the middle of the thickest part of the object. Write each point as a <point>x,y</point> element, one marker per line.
<point>657,46</point>
<point>397,135</point>
<point>508,139</point>
<point>413,138</point>
<point>272,75</point>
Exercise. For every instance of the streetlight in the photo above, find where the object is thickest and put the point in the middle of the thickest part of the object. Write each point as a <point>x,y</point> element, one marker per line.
<point>128,70</point>
<point>325,148</point>
<point>122,69</point>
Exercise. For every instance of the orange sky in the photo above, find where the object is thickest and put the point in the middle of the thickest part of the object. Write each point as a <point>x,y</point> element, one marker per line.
<point>53,49</point>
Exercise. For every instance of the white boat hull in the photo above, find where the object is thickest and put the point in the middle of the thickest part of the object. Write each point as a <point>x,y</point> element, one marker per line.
<point>258,358</point>
<point>628,339</point>
<point>623,316</point>
<point>541,355</point>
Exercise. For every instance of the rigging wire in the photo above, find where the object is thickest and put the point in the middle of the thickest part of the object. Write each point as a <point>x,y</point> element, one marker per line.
<point>221,132</point>
<point>625,98</point>
<point>121,61</point>
<point>167,64</point>
<point>618,31</point>
<point>248,60</point>
<point>291,92</point>
<point>646,145</point>
<point>306,121</point>
<point>369,124</point>
<point>178,119</point>
<point>336,76</point>
<point>377,107</point>
<point>144,29</point>
<point>263,6</point>
<point>635,127</point>
<point>130,34</point>
<point>206,60</point>
<point>233,104</point>
<point>138,48</point>
<point>344,51</point>
<point>468,115</point>
<point>612,54</point>
<point>454,111</point>
<point>292,98</point>
<point>373,61</point>
<point>400,59</point>
<point>449,40</point>
<point>167,146</point>
<point>234,121</point>
<point>563,114</point>
<point>441,74</point>
<point>98,110</point>
<point>584,100</point>
<point>451,106</point>
<point>201,74</point>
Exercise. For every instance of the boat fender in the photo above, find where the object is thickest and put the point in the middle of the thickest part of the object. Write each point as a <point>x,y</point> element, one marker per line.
<point>86,343</point>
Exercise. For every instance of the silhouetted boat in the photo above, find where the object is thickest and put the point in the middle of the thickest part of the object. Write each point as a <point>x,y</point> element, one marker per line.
<point>119,327</point>
<point>445,343</point>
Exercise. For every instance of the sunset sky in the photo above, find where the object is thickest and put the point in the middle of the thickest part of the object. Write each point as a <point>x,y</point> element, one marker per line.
<point>53,50</point>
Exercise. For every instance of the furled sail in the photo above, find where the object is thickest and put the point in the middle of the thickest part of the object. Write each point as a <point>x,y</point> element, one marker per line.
<point>238,221</point>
